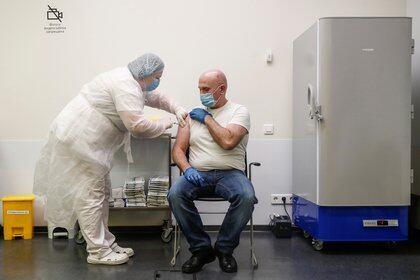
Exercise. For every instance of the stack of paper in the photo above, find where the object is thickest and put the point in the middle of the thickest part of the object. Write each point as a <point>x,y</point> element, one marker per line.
<point>118,202</point>
<point>133,192</point>
<point>117,199</point>
<point>158,189</point>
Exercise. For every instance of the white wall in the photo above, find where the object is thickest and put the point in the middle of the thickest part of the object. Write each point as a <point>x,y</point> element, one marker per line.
<point>41,72</point>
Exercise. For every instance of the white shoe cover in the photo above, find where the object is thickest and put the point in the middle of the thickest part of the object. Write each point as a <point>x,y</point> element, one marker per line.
<point>112,258</point>
<point>121,250</point>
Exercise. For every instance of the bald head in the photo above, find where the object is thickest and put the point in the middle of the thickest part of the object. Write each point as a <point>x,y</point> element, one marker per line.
<point>215,82</point>
<point>214,76</point>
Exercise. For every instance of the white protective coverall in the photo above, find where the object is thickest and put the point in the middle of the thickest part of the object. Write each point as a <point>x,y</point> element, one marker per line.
<point>72,173</point>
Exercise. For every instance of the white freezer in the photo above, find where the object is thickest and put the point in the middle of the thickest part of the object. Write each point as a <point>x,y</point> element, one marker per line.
<point>352,112</point>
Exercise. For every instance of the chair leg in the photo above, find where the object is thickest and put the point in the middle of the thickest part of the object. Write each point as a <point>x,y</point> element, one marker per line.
<point>176,244</point>
<point>253,257</point>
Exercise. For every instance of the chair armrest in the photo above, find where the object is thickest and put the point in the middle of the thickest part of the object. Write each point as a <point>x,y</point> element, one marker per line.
<point>250,168</point>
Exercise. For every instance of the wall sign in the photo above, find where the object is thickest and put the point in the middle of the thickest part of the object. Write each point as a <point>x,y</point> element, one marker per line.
<point>54,21</point>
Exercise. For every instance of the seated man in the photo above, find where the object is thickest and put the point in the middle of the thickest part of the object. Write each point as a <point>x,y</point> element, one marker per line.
<point>215,140</point>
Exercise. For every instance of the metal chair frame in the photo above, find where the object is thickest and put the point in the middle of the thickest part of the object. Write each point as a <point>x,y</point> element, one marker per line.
<point>177,231</point>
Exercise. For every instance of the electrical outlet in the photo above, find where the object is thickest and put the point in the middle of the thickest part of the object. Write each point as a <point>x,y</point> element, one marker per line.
<point>276,198</point>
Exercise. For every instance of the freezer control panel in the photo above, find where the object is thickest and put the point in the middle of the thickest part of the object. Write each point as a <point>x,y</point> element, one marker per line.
<point>380,223</point>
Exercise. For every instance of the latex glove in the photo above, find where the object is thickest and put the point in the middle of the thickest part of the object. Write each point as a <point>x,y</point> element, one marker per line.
<point>192,176</point>
<point>167,122</point>
<point>199,114</point>
<point>181,114</point>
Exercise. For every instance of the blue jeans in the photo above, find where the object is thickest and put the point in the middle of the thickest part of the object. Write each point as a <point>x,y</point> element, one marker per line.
<point>234,187</point>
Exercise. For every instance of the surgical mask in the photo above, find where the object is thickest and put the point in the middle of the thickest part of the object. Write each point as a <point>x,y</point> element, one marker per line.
<point>207,99</point>
<point>153,85</point>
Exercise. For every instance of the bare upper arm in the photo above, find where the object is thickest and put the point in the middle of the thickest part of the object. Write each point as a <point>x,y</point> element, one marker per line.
<point>183,136</point>
<point>237,133</point>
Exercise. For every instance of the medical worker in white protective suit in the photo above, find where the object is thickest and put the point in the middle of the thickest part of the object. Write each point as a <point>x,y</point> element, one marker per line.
<point>72,172</point>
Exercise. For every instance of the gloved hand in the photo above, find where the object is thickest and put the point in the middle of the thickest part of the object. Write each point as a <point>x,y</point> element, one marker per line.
<point>181,114</point>
<point>192,176</point>
<point>167,122</point>
<point>199,114</point>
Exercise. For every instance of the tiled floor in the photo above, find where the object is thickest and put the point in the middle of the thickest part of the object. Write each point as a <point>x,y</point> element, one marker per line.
<point>293,258</point>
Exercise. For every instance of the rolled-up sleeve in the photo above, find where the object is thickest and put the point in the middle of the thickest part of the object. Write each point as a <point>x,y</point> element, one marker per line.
<point>242,117</point>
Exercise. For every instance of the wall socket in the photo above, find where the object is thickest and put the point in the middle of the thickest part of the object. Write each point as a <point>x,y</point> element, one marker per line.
<point>276,198</point>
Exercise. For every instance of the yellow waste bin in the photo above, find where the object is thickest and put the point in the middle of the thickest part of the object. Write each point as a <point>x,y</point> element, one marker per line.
<point>18,218</point>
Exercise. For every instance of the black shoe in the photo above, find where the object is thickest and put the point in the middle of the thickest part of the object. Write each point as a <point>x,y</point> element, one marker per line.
<point>198,260</point>
<point>227,262</point>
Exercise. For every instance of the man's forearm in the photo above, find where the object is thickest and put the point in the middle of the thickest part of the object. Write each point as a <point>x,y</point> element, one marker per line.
<point>220,135</point>
<point>180,159</point>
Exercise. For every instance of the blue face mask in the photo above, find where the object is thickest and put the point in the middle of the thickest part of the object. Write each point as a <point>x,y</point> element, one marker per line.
<point>207,99</point>
<point>153,85</point>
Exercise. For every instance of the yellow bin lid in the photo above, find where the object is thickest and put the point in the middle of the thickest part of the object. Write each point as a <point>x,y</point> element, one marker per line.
<point>23,197</point>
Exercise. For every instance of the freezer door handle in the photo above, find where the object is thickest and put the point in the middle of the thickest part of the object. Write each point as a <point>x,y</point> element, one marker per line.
<point>313,106</point>
<point>412,46</point>
<point>318,113</point>
<point>310,102</point>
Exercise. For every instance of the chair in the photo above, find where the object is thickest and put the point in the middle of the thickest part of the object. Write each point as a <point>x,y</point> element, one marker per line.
<point>215,198</point>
